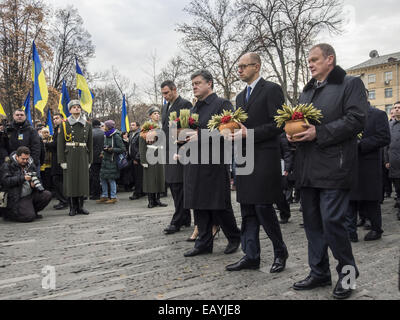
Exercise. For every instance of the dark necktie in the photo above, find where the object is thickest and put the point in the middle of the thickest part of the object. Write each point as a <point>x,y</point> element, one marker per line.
<point>248,94</point>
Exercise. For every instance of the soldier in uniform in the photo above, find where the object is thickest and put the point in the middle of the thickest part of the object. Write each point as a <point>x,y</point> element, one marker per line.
<point>75,154</point>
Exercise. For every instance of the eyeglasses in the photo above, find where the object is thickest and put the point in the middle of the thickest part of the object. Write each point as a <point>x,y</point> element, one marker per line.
<point>244,66</point>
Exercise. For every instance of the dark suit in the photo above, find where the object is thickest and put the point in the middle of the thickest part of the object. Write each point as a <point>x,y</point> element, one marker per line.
<point>367,194</point>
<point>174,172</point>
<point>256,192</point>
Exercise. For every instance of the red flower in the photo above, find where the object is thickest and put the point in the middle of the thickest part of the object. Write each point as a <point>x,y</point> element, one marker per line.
<point>177,120</point>
<point>151,128</point>
<point>226,119</point>
<point>297,116</point>
<point>191,121</point>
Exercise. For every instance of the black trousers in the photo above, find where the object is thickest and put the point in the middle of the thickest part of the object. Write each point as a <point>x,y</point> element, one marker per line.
<point>94,180</point>
<point>181,215</point>
<point>396,183</point>
<point>59,189</point>
<point>324,214</point>
<point>254,216</point>
<point>205,219</point>
<point>283,206</point>
<point>387,182</point>
<point>138,172</point>
<point>370,210</point>
<point>29,206</point>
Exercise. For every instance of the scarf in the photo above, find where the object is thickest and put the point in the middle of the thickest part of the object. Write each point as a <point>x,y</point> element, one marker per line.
<point>109,132</point>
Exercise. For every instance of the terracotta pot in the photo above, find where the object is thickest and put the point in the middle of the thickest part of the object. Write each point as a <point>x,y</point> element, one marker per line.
<point>294,126</point>
<point>230,125</point>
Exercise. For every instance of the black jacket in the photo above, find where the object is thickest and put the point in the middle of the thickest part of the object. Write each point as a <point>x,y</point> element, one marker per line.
<point>4,147</point>
<point>12,179</point>
<point>263,185</point>
<point>52,147</point>
<point>376,135</point>
<point>133,150</point>
<point>330,160</point>
<point>24,135</point>
<point>98,143</point>
<point>173,172</point>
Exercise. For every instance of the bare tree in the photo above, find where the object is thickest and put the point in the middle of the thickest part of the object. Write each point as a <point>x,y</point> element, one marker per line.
<point>21,22</point>
<point>70,40</point>
<point>152,90</point>
<point>213,41</point>
<point>176,70</point>
<point>286,29</point>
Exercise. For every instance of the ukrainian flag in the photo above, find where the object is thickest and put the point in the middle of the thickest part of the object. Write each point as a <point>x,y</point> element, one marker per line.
<point>40,92</point>
<point>64,100</point>
<point>124,117</point>
<point>84,91</point>
<point>27,108</point>
<point>2,112</point>
<point>49,122</point>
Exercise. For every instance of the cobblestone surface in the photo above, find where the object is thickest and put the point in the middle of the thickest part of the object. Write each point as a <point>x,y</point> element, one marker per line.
<point>120,252</point>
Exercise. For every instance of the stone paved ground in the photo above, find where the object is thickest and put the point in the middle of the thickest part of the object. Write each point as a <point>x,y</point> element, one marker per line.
<point>120,252</point>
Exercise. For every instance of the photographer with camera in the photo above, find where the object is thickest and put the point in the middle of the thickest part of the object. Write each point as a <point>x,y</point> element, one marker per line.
<point>26,195</point>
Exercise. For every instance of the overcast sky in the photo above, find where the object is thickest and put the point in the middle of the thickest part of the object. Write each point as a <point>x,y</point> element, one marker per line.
<point>126,32</point>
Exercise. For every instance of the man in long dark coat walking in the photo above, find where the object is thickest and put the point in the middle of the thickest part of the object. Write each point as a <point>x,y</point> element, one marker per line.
<point>207,186</point>
<point>174,171</point>
<point>257,191</point>
<point>75,154</point>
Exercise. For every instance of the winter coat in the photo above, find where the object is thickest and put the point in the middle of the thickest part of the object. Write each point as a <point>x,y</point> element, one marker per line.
<point>329,162</point>
<point>24,135</point>
<point>263,185</point>
<point>12,179</point>
<point>78,158</point>
<point>376,135</point>
<point>153,174</point>
<point>98,143</point>
<point>109,169</point>
<point>52,147</point>
<point>392,153</point>
<point>173,172</point>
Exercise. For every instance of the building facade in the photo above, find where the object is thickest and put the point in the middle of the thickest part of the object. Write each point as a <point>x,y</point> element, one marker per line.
<point>381,76</point>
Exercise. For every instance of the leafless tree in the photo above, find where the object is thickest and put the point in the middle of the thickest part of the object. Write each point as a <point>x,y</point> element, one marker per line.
<point>70,40</point>
<point>285,30</point>
<point>214,41</point>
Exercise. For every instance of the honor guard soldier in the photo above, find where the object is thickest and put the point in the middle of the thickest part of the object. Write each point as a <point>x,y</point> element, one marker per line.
<point>75,154</point>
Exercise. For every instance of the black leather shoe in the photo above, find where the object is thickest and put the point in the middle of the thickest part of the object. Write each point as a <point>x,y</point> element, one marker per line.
<point>353,237</point>
<point>232,247</point>
<point>136,196</point>
<point>72,207</point>
<point>360,222</point>
<point>367,225</point>
<point>60,206</point>
<point>284,221</point>
<point>279,264</point>
<point>372,235</point>
<point>160,204</point>
<point>311,283</point>
<point>341,293</point>
<point>171,229</point>
<point>81,209</point>
<point>195,252</point>
<point>244,264</point>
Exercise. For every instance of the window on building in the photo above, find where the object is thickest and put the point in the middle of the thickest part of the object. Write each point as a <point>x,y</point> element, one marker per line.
<point>388,76</point>
<point>372,95</point>
<point>388,93</point>
<point>371,78</point>
<point>387,108</point>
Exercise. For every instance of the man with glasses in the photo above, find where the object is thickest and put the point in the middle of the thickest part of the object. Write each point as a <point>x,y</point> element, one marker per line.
<point>257,192</point>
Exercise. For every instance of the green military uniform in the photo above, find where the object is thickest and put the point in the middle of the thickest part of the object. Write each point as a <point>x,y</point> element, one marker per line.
<point>75,147</point>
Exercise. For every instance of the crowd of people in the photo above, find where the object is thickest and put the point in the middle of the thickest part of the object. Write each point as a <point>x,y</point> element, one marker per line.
<point>340,170</point>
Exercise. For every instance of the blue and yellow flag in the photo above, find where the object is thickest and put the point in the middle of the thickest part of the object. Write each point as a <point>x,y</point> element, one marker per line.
<point>40,92</point>
<point>2,112</point>
<point>27,108</point>
<point>124,118</point>
<point>49,122</point>
<point>64,100</point>
<point>84,91</point>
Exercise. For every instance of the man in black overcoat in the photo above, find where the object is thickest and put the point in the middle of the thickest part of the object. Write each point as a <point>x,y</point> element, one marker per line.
<point>257,191</point>
<point>174,171</point>
<point>207,186</point>
<point>367,195</point>
<point>325,165</point>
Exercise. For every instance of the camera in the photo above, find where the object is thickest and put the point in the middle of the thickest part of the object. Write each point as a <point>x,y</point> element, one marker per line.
<point>36,181</point>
